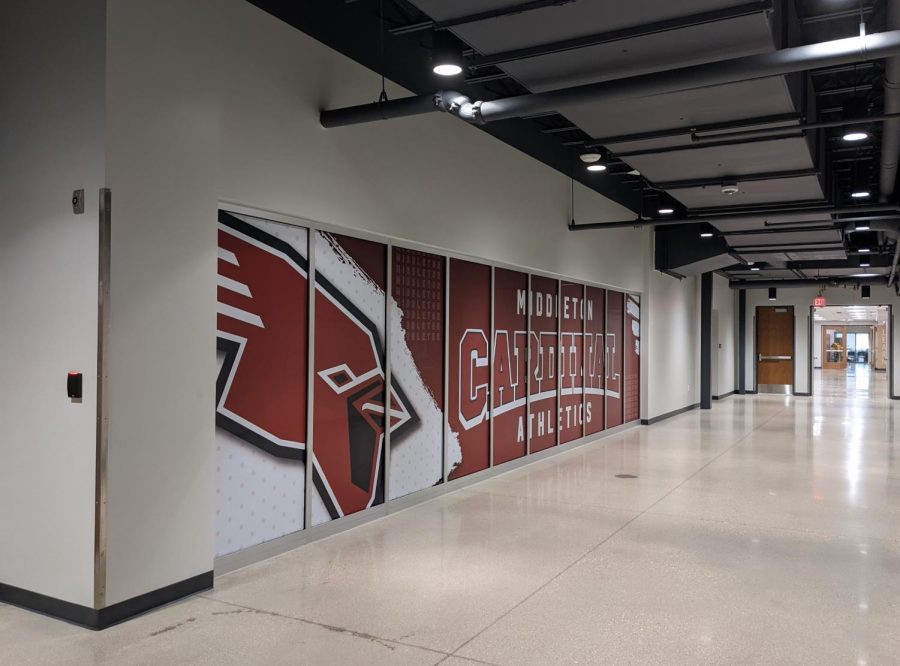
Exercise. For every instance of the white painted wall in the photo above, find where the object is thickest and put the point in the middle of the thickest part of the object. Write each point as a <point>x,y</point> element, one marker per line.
<point>674,344</point>
<point>801,299</point>
<point>51,143</point>
<point>162,141</point>
<point>724,305</point>
<point>201,102</point>
<point>433,179</point>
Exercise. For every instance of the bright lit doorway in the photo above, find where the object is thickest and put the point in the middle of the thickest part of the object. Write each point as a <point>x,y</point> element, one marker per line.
<point>851,351</point>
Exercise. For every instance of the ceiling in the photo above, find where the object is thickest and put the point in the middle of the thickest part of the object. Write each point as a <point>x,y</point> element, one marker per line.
<point>852,313</point>
<point>671,149</point>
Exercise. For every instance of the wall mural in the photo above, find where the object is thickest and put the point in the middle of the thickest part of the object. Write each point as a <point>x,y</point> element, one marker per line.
<point>538,379</point>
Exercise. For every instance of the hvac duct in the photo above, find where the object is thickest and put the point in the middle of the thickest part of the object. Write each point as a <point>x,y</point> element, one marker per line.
<point>825,282</point>
<point>890,133</point>
<point>770,214</point>
<point>776,63</point>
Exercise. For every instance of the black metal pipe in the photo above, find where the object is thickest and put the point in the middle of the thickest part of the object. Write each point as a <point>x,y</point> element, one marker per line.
<point>776,132</point>
<point>725,216</point>
<point>487,15</point>
<point>443,100</point>
<point>745,68</point>
<point>812,282</point>
<point>633,32</point>
<point>703,182</point>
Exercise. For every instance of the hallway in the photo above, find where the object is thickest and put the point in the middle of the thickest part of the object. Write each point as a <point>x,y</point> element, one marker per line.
<point>858,381</point>
<point>765,531</point>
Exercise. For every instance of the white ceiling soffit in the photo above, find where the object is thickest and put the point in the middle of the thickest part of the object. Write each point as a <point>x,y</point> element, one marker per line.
<point>665,50</point>
<point>823,255</point>
<point>745,223</point>
<point>785,238</point>
<point>806,188</point>
<point>725,161</point>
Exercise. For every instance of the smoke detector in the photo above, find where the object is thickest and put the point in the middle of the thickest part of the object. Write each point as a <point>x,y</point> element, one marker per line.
<point>730,187</point>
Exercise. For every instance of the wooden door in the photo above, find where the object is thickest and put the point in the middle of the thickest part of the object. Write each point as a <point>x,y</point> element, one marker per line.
<point>774,349</point>
<point>834,348</point>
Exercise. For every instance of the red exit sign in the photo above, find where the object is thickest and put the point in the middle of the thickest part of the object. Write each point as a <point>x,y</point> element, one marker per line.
<point>819,302</point>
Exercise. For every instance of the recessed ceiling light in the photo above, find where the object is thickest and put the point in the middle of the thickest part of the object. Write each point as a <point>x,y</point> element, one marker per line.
<point>754,268</point>
<point>864,250</point>
<point>596,167</point>
<point>861,226</point>
<point>706,234</point>
<point>856,135</point>
<point>447,69</point>
<point>666,211</point>
<point>446,55</point>
<point>860,194</point>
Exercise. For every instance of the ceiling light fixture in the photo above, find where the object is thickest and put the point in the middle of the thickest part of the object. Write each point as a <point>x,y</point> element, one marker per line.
<point>590,156</point>
<point>855,134</point>
<point>754,268</point>
<point>446,56</point>
<point>861,226</point>
<point>864,262</point>
<point>860,194</point>
<point>596,167</point>
<point>666,211</point>
<point>706,234</point>
<point>864,250</point>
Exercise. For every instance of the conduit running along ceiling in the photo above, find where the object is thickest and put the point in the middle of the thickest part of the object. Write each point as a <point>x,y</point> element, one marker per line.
<point>655,158</point>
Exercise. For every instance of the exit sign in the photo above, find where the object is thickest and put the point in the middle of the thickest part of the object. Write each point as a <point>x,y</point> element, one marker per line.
<point>819,302</point>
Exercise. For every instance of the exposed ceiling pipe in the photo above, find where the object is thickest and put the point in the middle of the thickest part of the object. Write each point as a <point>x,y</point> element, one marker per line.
<point>810,282</point>
<point>894,263</point>
<point>890,133</point>
<point>746,68</point>
<point>792,130</point>
<point>724,216</point>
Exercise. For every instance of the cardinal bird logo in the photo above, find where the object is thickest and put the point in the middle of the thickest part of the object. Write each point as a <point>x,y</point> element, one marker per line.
<point>261,391</point>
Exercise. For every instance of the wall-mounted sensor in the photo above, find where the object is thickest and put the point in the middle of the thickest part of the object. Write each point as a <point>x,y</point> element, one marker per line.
<point>78,202</point>
<point>73,385</point>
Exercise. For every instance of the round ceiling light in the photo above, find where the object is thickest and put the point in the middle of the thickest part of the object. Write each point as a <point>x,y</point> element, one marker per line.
<point>447,69</point>
<point>855,135</point>
<point>596,167</point>
<point>446,54</point>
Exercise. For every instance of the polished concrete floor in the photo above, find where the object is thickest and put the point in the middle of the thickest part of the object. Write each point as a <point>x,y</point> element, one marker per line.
<point>765,531</point>
<point>859,380</point>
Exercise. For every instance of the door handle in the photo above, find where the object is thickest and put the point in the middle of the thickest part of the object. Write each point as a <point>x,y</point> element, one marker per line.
<point>774,358</point>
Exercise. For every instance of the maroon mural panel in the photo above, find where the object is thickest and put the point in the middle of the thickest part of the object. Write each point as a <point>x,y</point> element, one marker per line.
<point>349,380</point>
<point>510,364</point>
<point>632,358</point>
<point>469,371</point>
<point>594,359</point>
<point>544,364</point>
<point>417,362</point>
<point>615,327</point>
<point>571,362</point>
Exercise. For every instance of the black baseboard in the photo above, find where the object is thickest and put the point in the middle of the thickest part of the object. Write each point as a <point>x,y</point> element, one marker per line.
<point>723,396</point>
<point>668,415</point>
<point>802,395</point>
<point>104,617</point>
